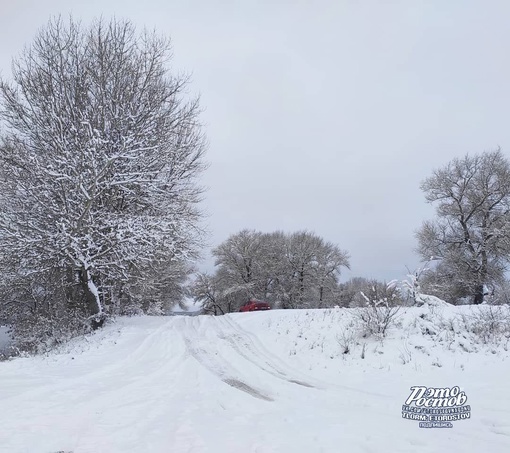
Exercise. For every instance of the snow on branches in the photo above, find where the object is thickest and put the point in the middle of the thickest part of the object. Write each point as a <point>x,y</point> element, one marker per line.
<point>99,160</point>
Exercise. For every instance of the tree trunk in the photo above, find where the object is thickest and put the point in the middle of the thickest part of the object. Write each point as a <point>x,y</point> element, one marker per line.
<point>480,287</point>
<point>91,292</point>
<point>479,295</point>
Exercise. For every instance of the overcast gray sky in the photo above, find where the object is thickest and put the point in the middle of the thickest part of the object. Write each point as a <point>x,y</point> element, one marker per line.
<point>324,115</point>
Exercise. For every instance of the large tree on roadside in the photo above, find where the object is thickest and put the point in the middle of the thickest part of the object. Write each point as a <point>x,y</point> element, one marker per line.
<point>99,158</point>
<point>471,234</point>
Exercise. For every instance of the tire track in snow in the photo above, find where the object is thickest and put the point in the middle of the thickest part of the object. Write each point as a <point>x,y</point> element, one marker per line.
<point>199,348</point>
<point>250,349</point>
<point>259,352</point>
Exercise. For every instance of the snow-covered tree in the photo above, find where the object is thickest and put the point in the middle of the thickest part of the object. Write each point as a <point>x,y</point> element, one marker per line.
<point>205,290</point>
<point>471,234</point>
<point>292,270</point>
<point>240,256</point>
<point>327,265</point>
<point>99,160</point>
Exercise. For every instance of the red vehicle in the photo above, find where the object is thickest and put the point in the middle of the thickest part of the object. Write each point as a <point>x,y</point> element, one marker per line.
<point>255,305</point>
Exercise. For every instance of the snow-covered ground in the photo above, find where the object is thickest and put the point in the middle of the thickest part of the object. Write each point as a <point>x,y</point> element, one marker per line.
<point>279,381</point>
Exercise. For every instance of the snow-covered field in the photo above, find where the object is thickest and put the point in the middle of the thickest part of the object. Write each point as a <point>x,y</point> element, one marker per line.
<point>279,381</point>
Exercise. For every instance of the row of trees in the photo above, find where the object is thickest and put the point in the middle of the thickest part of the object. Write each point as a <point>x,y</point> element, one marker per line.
<point>99,159</point>
<point>466,247</point>
<point>293,270</point>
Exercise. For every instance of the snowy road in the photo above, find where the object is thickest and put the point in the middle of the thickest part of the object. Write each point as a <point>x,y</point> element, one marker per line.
<point>205,384</point>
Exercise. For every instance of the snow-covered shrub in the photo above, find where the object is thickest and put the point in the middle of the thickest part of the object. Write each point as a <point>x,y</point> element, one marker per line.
<point>467,329</point>
<point>411,286</point>
<point>375,290</point>
<point>376,317</point>
<point>490,324</point>
<point>39,334</point>
<point>40,312</point>
<point>346,340</point>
